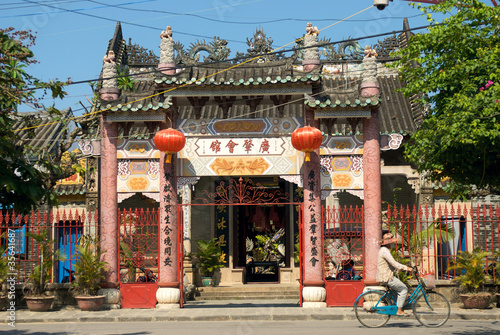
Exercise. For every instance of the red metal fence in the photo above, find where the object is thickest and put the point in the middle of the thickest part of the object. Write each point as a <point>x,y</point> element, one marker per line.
<point>63,227</point>
<point>343,241</point>
<point>431,236</point>
<point>138,240</point>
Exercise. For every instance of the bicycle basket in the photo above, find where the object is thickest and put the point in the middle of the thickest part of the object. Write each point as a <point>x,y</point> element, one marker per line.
<point>429,280</point>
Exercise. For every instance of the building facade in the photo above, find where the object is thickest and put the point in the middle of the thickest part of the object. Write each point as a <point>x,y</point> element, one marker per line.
<point>239,178</point>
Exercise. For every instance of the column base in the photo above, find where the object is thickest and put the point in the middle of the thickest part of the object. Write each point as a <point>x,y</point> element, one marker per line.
<point>168,298</point>
<point>314,297</point>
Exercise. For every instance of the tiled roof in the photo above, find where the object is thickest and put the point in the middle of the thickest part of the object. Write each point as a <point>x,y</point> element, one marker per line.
<point>263,110</point>
<point>70,189</point>
<point>340,92</point>
<point>39,130</point>
<point>224,74</point>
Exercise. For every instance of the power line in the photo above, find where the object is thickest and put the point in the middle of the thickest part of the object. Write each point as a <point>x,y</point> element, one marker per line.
<point>237,22</point>
<point>125,22</point>
<point>236,59</point>
<point>208,76</point>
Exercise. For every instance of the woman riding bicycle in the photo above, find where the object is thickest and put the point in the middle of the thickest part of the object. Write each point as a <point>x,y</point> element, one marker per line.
<point>386,264</point>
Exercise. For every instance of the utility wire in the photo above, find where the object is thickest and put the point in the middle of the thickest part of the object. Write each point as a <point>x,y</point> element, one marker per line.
<point>208,76</point>
<point>274,52</point>
<point>125,22</point>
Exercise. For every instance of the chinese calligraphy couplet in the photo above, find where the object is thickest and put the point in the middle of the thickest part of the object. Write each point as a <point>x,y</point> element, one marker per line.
<point>313,230</point>
<point>168,275</point>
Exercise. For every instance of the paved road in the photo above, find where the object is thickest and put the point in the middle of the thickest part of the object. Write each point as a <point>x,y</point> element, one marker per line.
<point>251,328</point>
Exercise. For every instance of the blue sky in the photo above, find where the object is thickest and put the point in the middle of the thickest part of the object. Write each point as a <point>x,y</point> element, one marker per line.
<point>72,36</point>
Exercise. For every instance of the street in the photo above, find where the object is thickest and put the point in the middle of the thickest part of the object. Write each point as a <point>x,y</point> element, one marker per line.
<point>252,327</point>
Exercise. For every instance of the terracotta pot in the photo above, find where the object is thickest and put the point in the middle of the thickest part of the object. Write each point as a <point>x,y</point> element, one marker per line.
<point>39,304</point>
<point>93,303</point>
<point>479,301</point>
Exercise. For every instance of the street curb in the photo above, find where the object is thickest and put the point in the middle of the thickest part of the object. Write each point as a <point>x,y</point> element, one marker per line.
<point>204,315</point>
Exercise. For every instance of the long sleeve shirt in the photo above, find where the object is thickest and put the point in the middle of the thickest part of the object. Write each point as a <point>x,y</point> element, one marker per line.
<point>386,264</point>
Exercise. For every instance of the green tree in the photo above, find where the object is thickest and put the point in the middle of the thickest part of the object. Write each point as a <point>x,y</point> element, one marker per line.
<point>454,70</point>
<point>27,175</point>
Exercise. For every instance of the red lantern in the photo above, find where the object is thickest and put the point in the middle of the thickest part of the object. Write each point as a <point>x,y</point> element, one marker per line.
<point>307,139</point>
<point>169,141</point>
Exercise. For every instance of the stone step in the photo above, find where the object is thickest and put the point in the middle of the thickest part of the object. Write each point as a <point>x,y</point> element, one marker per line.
<point>248,292</point>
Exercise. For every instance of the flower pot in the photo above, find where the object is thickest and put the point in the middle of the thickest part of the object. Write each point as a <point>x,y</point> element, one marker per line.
<point>93,303</point>
<point>207,281</point>
<point>40,303</point>
<point>479,301</point>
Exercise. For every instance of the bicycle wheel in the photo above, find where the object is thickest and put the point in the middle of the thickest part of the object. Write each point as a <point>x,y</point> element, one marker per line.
<point>432,309</point>
<point>366,309</point>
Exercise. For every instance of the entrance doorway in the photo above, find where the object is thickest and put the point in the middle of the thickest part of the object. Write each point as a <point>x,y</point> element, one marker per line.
<point>261,233</point>
<point>255,224</point>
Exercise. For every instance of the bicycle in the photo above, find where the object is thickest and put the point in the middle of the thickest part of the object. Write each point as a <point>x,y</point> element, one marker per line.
<point>374,308</point>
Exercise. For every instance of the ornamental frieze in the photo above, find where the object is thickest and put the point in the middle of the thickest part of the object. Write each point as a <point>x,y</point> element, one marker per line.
<point>254,126</point>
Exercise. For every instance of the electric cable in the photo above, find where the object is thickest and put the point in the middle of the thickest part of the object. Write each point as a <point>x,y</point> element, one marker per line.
<point>208,76</point>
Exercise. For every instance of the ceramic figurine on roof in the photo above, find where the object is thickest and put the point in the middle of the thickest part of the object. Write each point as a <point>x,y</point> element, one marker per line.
<point>167,57</point>
<point>167,33</point>
<point>109,57</point>
<point>311,30</point>
<point>369,52</point>
<point>109,90</point>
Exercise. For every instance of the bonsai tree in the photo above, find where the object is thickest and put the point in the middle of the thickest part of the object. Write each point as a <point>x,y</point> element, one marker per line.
<point>209,257</point>
<point>89,269</point>
<point>40,276</point>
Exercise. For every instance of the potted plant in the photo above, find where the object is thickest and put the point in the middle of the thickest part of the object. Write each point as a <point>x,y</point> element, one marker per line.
<point>4,270</point>
<point>210,259</point>
<point>89,273</point>
<point>36,289</point>
<point>496,270</point>
<point>472,278</point>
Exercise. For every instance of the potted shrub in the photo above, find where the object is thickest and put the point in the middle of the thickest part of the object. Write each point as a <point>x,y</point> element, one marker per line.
<point>4,270</point>
<point>89,273</point>
<point>210,259</point>
<point>496,269</point>
<point>472,277</point>
<point>36,289</point>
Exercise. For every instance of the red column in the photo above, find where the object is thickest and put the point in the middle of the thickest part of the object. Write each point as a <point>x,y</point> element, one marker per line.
<point>372,195</point>
<point>109,201</point>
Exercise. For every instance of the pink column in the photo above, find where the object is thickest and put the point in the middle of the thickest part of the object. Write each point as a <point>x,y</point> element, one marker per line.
<point>168,225</point>
<point>372,195</point>
<point>313,228</point>
<point>109,201</point>
<point>313,292</point>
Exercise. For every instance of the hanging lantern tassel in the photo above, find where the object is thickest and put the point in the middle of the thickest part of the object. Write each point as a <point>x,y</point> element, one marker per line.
<point>169,141</point>
<point>308,156</point>
<point>307,139</point>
